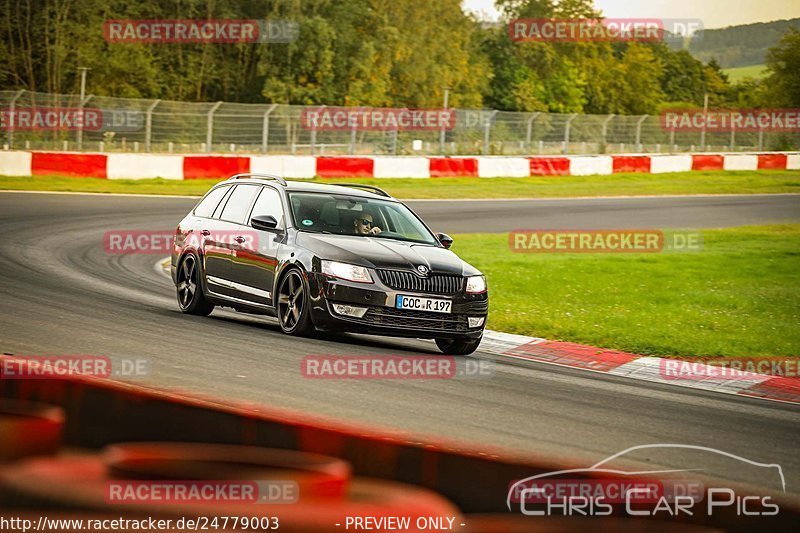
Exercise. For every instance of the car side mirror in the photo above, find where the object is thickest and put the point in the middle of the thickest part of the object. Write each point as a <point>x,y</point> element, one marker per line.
<point>445,239</point>
<point>264,222</point>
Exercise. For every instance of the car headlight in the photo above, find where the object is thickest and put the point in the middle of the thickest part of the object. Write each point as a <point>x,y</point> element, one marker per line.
<point>346,271</point>
<point>476,284</point>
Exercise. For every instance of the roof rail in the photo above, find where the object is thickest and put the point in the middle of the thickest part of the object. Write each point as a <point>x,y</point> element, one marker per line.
<point>371,188</point>
<point>252,175</point>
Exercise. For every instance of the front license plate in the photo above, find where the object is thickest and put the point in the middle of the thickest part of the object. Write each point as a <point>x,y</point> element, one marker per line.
<point>415,303</point>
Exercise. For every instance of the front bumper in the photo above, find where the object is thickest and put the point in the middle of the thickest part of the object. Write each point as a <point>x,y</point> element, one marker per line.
<point>382,318</point>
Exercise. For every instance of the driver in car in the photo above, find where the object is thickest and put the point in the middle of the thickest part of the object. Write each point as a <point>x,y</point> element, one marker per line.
<point>364,225</point>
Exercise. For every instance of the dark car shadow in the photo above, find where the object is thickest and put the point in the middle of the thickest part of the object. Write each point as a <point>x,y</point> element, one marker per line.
<point>264,323</point>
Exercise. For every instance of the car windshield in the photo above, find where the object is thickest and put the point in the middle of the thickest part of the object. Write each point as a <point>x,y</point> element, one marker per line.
<point>342,214</point>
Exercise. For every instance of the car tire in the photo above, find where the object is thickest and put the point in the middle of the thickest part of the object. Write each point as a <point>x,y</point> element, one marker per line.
<point>189,290</point>
<point>293,304</point>
<point>463,346</point>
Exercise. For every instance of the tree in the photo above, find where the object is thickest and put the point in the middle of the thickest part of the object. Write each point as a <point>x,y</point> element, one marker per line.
<point>638,81</point>
<point>379,53</point>
<point>400,53</point>
<point>783,65</point>
<point>682,77</point>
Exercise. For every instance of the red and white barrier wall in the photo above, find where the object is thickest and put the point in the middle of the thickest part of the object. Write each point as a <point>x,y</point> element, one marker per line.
<point>138,166</point>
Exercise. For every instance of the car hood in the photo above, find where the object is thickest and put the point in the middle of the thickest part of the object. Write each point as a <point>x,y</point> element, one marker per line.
<point>377,252</point>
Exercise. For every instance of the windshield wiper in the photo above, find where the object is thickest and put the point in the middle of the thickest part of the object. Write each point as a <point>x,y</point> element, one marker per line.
<point>401,239</point>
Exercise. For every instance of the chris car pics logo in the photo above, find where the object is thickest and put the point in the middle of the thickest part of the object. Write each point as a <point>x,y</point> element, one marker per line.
<point>602,490</point>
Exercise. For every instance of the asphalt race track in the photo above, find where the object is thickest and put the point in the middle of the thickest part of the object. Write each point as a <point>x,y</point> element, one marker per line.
<point>60,293</point>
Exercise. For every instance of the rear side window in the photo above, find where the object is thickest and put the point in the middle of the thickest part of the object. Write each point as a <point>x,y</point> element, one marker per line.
<point>221,205</point>
<point>239,203</point>
<point>209,203</point>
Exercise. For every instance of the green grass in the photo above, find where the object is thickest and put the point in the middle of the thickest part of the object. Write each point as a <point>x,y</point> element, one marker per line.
<point>738,297</point>
<point>740,73</point>
<point>712,182</point>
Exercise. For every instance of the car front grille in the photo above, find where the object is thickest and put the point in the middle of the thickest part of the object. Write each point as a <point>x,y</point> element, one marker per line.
<point>434,284</point>
<point>390,317</point>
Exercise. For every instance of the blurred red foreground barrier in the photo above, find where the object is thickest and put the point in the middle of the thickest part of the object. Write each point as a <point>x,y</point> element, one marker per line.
<point>101,412</point>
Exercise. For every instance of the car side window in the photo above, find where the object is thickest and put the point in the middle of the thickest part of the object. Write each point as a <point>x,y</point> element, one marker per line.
<point>269,203</point>
<point>222,204</point>
<point>239,203</point>
<point>207,205</point>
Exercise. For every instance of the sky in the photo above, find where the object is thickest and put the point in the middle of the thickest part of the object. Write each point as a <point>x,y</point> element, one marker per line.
<point>713,13</point>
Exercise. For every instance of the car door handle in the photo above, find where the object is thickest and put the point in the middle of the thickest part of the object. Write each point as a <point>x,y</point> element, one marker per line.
<point>205,233</point>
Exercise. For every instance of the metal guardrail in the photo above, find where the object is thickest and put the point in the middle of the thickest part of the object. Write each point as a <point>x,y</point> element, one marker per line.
<point>162,126</point>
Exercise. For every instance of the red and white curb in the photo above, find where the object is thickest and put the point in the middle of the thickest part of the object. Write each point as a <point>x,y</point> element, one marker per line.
<point>617,363</point>
<point>190,166</point>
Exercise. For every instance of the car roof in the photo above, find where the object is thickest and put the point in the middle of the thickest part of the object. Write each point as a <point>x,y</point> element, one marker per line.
<point>304,186</point>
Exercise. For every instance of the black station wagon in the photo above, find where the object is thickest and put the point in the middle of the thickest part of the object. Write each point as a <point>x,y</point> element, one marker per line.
<point>326,257</point>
